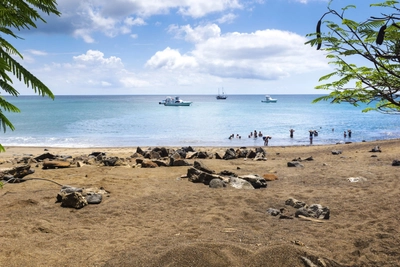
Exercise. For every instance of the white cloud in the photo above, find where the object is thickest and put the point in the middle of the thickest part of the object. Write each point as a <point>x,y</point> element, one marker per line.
<point>84,34</point>
<point>134,22</point>
<point>228,18</point>
<point>197,9</point>
<point>195,35</point>
<point>264,54</point>
<point>171,59</point>
<point>118,17</point>
<point>37,52</point>
<point>96,58</point>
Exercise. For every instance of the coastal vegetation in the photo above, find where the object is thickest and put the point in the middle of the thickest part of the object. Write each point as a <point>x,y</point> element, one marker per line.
<point>17,15</point>
<point>366,56</point>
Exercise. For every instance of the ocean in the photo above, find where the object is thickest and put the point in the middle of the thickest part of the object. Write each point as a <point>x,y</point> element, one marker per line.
<point>139,120</point>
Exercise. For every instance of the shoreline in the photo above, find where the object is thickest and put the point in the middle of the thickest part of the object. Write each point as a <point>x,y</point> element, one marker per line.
<point>116,148</point>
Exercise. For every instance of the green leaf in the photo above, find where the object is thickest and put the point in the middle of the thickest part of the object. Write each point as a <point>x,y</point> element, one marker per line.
<point>328,76</point>
<point>348,7</point>
<point>16,15</point>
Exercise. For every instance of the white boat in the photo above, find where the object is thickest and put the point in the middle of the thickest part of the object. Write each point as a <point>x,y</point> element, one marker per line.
<point>221,96</point>
<point>269,99</point>
<point>170,101</point>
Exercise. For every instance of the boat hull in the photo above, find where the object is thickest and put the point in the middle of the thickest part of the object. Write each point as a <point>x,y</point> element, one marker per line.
<point>178,104</point>
<point>269,101</point>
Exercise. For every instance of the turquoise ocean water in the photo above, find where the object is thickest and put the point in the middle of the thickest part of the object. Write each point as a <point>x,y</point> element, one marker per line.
<point>139,120</point>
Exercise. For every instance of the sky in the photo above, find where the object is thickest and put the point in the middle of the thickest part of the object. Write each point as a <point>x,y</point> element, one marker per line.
<point>178,47</point>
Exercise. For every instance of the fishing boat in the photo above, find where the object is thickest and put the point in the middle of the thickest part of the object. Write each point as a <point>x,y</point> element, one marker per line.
<point>269,99</point>
<point>175,101</point>
<point>221,96</point>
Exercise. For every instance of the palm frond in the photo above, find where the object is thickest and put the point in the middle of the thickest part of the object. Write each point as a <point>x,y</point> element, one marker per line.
<point>25,76</point>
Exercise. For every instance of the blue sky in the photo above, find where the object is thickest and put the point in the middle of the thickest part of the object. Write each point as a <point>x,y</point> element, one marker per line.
<point>177,47</point>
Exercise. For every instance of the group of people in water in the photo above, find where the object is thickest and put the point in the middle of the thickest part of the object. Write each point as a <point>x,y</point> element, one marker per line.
<point>312,133</point>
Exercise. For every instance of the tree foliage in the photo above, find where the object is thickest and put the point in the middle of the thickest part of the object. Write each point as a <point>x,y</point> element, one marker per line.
<point>366,56</point>
<point>16,15</point>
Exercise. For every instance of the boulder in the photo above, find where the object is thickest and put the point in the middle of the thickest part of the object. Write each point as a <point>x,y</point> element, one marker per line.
<point>295,203</point>
<point>217,183</point>
<point>94,198</point>
<point>176,156</point>
<point>217,156</point>
<point>376,149</point>
<point>202,167</point>
<point>229,154</point>
<point>139,151</point>
<point>73,200</point>
<point>45,156</point>
<point>273,212</point>
<point>113,161</point>
<point>261,150</point>
<point>66,189</point>
<point>396,162</point>
<point>255,180</point>
<point>152,155</point>
<point>202,155</point>
<point>260,156</point>
<point>97,155</point>
<point>183,152</point>
<point>240,183</point>
<point>240,153</point>
<point>148,164</point>
<point>270,177</point>
<point>180,162</point>
<point>191,155</point>
<point>160,163</point>
<point>294,164</point>
<point>227,173</point>
<point>187,149</point>
<point>251,154</point>
<point>16,172</point>
<point>162,152</point>
<point>197,176</point>
<point>315,211</point>
<point>55,164</point>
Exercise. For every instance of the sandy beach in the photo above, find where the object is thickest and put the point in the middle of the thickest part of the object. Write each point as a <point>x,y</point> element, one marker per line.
<point>156,217</point>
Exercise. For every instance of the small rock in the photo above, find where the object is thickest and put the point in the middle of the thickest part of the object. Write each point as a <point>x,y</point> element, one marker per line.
<point>217,183</point>
<point>94,198</point>
<point>376,149</point>
<point>294,164</point>
<point>273,212</point>
<point>396,162</point>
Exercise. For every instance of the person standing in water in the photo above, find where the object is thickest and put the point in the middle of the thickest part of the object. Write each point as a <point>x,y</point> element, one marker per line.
<point>291,133</point>
<point>266,139</point>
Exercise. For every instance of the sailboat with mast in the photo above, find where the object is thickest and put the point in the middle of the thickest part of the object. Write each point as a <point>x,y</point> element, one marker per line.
<point>221,96</point>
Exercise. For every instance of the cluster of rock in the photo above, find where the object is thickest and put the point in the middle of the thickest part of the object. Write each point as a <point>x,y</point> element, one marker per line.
<point>15,174</point>
<point>171,157</point>
<point>316,211</point>
<point>150,158</point>
<point>74,197</point>
<point>296,162</point>
<point>199,173</point>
